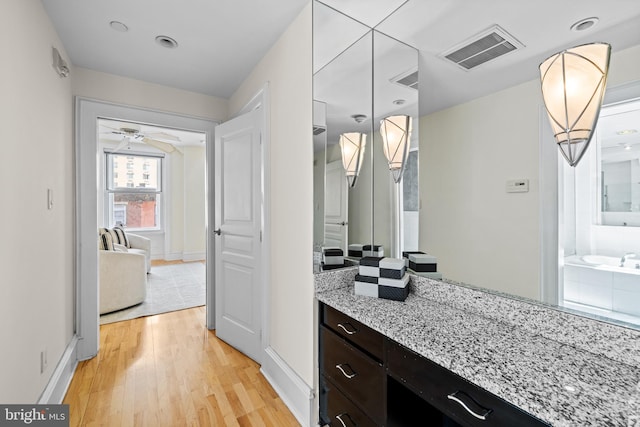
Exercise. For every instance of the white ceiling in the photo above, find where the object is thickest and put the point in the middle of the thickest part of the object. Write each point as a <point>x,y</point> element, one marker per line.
<point>219,41</point>
<point>435,26</point>
<point>543,26</point>
<point>110,131</point>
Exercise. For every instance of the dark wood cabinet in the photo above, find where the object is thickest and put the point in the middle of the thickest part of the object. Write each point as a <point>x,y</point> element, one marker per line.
<point>367,379</point>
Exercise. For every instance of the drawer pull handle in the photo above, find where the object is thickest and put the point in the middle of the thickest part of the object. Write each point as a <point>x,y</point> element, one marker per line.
<point>349,331</point>
<point>349,376</point>
<point>454,396</point>
<point>339,418</point>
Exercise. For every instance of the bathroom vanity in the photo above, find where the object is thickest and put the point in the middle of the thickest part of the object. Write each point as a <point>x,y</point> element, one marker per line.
<point>452,355</point>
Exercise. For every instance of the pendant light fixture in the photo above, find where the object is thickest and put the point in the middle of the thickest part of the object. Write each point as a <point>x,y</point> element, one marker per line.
<point>573,84</point>
<point>352,147</point>
<point>396,137</point>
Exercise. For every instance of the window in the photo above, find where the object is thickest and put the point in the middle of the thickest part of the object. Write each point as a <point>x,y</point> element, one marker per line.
<point>133,197</point>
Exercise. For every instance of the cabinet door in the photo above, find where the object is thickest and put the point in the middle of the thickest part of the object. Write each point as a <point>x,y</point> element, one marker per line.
<point>362,336</point>
<point>338,411</point>
<point>455,397</point>
<point>355,374</point>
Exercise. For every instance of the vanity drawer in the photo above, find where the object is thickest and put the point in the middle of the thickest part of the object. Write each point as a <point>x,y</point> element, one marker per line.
<point>359,377</point>
<point>338,410</point>
<point>441,388</point>
<point>362,336</point>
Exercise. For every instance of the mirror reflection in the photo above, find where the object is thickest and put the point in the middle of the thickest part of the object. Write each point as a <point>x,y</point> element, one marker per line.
<point>479,128</point>
<point>373,78</point>
<point>618,143</point>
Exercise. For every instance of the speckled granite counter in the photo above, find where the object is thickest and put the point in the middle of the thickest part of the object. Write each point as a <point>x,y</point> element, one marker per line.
<point>561,368</point>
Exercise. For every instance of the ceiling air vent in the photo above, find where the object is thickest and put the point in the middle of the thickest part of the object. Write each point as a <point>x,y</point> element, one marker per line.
<point>317,130</point>
<point>483,47</point>
<point>408,79</point>
<point>319,117</point>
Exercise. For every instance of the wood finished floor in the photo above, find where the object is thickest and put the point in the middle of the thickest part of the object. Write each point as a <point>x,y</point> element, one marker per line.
<point>169,370</point>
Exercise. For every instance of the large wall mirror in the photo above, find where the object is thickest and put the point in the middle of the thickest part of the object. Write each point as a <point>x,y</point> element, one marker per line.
<point>362,76</point>
<point>479,125</point>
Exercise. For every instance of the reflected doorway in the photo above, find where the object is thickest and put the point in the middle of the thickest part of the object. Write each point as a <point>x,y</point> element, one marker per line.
<point>601,230</point>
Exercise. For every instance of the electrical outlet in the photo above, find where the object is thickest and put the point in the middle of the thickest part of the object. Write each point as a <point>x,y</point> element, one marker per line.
<point>43,360</point>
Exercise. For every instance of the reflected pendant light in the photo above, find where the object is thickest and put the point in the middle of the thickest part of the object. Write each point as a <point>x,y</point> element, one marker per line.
<point>396,137</point>
<point>573,84</point>
<point>352,146</point>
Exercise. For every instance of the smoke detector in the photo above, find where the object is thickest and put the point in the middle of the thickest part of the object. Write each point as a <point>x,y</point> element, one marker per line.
<point>359,118</point>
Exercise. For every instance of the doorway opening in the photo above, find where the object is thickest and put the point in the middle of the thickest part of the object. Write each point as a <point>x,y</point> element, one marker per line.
<point>88,114</point>
<point>601,232</point>
<point>152,187</point>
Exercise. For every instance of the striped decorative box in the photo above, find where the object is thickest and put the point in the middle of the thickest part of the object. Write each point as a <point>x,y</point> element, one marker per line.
<point>355,250</point>
<point>423,263</point>
<point>373,250</point>
<point>382,277</point>
<point>380,287</point>
<point>333,256</point>
<point>392,268</point>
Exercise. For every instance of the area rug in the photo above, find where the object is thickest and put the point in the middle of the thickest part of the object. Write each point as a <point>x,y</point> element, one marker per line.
<point>169,288</point>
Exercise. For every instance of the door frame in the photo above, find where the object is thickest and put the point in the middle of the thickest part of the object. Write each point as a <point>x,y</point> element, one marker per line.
<point>87,113</point>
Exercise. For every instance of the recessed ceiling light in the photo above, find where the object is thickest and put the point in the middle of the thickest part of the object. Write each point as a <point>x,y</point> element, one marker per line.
<point>119,26</point>
<point>166,41</point>
<point>626,132</point>
<point>584,24</point>
<point>627,147</point>
<point>399,101</point>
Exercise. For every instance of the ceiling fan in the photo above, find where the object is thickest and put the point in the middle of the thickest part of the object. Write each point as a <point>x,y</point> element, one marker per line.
<point>131,132</point>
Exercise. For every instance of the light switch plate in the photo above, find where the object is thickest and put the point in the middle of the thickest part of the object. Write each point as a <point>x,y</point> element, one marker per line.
<point>517,185</point>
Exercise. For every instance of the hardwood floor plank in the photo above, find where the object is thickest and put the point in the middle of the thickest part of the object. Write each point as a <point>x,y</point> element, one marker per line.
<point>169,370</point>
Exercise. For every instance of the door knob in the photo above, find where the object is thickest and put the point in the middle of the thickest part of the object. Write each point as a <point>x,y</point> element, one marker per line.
<point>217,231</point>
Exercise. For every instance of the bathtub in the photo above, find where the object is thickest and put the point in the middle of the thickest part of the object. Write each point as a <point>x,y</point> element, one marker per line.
<point>603,261</point>
<point>599,281</point>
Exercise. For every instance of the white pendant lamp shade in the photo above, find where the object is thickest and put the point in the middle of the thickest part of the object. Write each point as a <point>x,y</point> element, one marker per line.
<point>352,146</point>
<point>573,84</point>
<point>396,137</point>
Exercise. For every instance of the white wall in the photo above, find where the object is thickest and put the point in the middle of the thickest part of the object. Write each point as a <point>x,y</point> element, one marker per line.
<point>126,91</point>
<point>480,234</point>
<point>36,253</point>
<point>194,245</point>
<point>287,69</point>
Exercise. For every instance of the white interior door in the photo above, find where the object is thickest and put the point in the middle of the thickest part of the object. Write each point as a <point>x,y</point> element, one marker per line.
<point>336,225</point>
<point>238,218</point>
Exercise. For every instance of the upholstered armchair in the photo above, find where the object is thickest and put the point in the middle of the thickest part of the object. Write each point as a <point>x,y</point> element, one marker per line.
<point>124,261</point>
<point>122,279</point>
<point>140,245</point>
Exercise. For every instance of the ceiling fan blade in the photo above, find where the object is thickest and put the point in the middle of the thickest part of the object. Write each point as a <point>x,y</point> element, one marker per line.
<point>164,146</point>
<point>162,136</point>
<point>111,128</point>
<point>123,143</point>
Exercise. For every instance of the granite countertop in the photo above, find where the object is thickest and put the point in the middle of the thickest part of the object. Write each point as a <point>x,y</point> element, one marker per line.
<point>563,381</point>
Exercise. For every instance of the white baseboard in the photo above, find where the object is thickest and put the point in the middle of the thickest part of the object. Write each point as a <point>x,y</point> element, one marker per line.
<point>193,256</point>
<point>182,256</point>
<point>174,256</point>
<point>293,391</point>
<point>59,382</point>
